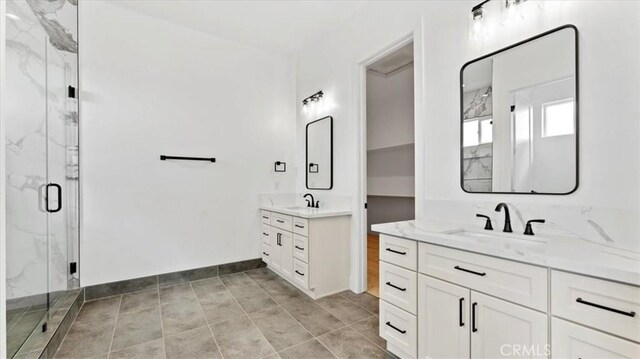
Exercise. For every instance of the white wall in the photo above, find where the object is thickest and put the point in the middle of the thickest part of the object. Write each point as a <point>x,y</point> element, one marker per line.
<point>3,238</point>
<point>609,36</point>
<point>149,87</point>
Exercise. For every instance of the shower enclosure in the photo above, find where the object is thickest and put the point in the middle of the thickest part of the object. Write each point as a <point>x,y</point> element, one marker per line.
<point>41,169</point>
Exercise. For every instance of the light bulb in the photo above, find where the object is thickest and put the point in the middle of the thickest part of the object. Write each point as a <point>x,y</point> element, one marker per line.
<point>305,108</point>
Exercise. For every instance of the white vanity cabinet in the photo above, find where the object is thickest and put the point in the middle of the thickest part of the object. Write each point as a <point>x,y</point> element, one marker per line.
<point>310,253</point>
<point>470,305</point>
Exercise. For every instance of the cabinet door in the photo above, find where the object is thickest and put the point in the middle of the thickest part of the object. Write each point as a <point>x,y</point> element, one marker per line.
<point>575,341</point>
<point>275,255</point>
<point>444,320</point>
<point>501,329</point>
<point>286,254</point>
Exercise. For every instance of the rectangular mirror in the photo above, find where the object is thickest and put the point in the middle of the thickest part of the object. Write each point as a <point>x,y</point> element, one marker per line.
<point>319,166</point>
<point>519,113</point>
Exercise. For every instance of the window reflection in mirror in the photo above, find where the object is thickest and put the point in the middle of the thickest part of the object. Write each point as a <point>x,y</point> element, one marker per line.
<point>519,117</point>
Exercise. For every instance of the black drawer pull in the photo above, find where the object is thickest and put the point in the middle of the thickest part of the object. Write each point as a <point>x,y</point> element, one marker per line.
<point>299,226</point>
<point>396,287</point>
<point>299,272</point>
<point>279,221</point>
<point>265,253</point>
<point>470,271</point>
<point>300,248</point>
<point>473,317</point>
<point>265,217</point>
<point>628,314</point>
<point>266,234</point>
<point>396,252</point>
<point>460,321</point>
<point>392,326</point>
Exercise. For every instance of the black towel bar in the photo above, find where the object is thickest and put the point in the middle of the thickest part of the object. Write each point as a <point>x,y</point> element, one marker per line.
<point>208,159</point>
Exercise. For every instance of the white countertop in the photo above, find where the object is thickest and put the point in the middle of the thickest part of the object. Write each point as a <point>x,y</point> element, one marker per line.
<point>307,212</point>
<point>568,254</point>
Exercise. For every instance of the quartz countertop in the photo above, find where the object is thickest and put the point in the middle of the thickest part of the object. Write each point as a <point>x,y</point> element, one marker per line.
<point>308,212</point>
<point>567,254</point>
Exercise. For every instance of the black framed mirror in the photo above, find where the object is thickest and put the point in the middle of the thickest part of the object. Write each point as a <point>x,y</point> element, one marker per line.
<point>519,117</point>
<point>319,154</point>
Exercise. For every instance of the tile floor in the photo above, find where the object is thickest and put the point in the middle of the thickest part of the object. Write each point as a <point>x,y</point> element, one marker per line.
<point>253,314</point>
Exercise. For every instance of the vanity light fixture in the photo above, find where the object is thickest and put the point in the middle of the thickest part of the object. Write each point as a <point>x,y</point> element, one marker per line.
<point>311,102</point>
<point>477,21</point>
<point>511,10</point>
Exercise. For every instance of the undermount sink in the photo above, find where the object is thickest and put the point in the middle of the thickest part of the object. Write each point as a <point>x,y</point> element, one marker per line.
<point>488,235</point>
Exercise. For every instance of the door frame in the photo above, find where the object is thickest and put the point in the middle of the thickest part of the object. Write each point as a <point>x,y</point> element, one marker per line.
<point>360,213</point>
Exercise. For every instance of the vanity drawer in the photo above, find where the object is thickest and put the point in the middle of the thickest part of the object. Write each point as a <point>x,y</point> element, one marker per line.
<point>570,340</point>
<point>399,329</point>
<point>301,226</point>
<point>301,248</point>
<point>398,251</point>
<point>265,216</point>
<point>266,230</point>
<point>603,305</point>
<point>301,273</point>
<point>282,221</point>
<point>266,253</point>
<point>517,282</point>
<point>398,286</point>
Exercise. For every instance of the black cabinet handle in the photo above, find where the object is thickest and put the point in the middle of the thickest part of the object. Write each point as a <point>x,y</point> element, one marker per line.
<point>299,272</point>
<point>279,221</point>
<point>265,217</point>
<point>46,198</point>
<point>396,252</point>
<point>396,287</point>
<point>300,248</point>
<point>266,234</point>
<point>278,242</point>
<point>470,271</point>
<point>628,314</point>
<point>399,330</point>
<point>265,253</point>
<point>460,321</point>
<point>473,317</point>
<point>299,226</point>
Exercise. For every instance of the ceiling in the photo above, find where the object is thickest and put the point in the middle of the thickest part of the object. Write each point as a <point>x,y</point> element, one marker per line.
<point>275,25</point>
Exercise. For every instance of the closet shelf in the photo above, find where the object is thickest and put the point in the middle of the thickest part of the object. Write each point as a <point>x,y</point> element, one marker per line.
<point>387,148</point>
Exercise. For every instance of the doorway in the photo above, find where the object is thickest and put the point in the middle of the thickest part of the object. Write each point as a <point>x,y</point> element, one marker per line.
<point>390,149</point>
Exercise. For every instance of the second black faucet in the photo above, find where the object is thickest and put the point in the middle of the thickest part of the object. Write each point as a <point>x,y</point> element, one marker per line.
<point>507,217</point>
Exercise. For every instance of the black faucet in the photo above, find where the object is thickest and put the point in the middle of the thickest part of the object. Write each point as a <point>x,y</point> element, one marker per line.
<point>311,203</point>
<point>528,230</point>
<point>487,224</point>
<point>507,217</point>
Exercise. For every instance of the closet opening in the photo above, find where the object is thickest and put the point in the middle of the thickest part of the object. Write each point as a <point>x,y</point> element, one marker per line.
<point>390,149</point>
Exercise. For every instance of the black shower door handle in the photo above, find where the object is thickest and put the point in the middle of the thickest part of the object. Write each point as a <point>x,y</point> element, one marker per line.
<point>46,198</point>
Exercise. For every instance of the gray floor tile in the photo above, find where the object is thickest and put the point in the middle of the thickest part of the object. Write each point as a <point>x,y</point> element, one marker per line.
<point>370,329</point>
<point>236,280</point>
<point>149,350</point>
<point>347,343</point>
<point>311,349</point>
<point>136,327</point>
<point>99,309</point>
<point>365,300</point>
<point>262,275</point>
<point>220,307</point>
<point>280,290</point>
<point>180,316</point>
<point>280,329</point>
<point>252,298</point>
<point>139,300</point>
<point>176,293</point>
<point>88,338</point>
<point>239,338</point>
<point>313,317</point>
<point>208,287</point>
<point>343,308</point>
<point>193,344</point>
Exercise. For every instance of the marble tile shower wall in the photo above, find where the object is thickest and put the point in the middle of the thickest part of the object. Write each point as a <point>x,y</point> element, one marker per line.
<point>41,143</point>
<point>478,160</point>
<point>614,228</point>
